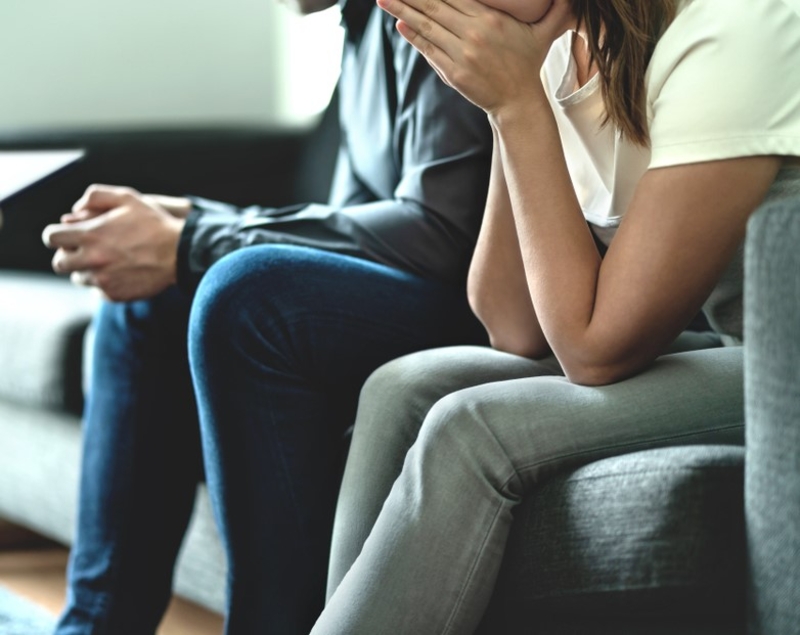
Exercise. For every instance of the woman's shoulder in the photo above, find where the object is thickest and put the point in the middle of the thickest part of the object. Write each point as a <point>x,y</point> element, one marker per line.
<point>725,9</point>
<point>730,36</point>
<point>724,82</point>
<point>734,18</point>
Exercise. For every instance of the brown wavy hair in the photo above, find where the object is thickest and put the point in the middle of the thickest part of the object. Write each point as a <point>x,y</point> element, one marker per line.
<point>622,35</point>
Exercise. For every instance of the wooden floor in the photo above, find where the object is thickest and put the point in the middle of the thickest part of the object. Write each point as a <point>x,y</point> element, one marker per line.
<point>34,569</point>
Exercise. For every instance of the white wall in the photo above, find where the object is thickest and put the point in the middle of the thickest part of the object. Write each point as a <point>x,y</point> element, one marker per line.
<point>97,63</point>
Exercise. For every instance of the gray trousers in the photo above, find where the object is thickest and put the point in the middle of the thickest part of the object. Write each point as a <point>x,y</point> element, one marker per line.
<point>448,441</point>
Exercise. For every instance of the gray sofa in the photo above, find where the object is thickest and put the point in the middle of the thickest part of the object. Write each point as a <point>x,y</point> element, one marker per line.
<point>657,542</point>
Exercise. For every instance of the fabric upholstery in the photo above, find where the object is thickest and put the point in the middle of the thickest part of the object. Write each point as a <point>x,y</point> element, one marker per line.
<point>202,569</point>
<point>39,465</point>
<point>654,533</point>
<point>772,403</point>
<point>41,332</point>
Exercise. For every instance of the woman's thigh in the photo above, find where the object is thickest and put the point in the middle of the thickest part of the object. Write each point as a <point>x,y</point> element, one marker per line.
<point>547,424</point>
<point>393,404</point>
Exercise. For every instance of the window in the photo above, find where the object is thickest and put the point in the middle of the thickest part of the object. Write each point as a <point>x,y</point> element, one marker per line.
<point>84,64</point>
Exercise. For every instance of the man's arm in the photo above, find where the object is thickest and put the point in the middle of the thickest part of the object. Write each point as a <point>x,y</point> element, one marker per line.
<point>411,178</point>
<point>410,190</point>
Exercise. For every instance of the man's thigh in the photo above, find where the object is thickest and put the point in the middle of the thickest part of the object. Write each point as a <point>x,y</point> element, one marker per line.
<point>328,317</point>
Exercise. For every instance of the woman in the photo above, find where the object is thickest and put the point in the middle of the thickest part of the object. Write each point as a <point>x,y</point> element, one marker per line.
<point>681,118</point>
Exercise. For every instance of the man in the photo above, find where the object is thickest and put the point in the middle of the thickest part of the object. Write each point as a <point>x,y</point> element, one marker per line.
<point>281,335</point>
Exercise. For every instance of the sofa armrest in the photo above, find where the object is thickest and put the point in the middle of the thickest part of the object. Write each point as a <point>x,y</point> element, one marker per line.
<point>772,413</point>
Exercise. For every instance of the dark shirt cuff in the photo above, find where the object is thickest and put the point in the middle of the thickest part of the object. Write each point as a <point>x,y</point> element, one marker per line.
<point>186,279</point>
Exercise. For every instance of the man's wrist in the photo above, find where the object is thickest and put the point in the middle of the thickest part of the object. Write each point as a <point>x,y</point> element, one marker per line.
<point>177,206</point>
<point>187,278</point>
<point>175,227</point>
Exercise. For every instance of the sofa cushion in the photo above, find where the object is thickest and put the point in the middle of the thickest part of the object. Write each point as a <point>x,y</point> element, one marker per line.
<point>42,325</point>
<point>659,532</point>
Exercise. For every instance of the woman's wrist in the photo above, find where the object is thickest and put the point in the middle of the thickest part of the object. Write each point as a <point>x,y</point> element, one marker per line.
<point>520,114</point>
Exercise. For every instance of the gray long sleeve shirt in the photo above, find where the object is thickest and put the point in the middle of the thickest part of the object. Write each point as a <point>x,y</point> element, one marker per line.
<point>411,176</point>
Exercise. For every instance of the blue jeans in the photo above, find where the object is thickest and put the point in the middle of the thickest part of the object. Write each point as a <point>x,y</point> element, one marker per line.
<point>280,340</point>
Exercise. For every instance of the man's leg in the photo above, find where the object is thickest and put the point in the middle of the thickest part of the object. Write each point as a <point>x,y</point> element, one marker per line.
<point>141,465</point>
<point>281,339</point>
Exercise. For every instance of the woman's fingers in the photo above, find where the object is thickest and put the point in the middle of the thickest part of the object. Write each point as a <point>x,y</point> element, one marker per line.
<point>486,56</point>
<point>431,38</point>
<point>435,56</point>
<point>435,20</point>
<point>431,8</point>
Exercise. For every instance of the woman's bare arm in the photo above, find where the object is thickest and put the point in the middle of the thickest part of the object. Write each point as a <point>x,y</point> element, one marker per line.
<point>496,286</point>
<point>608,319</point>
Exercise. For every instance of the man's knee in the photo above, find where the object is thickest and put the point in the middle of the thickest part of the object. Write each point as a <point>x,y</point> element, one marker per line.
<point>266,279</point>
<point>229,291</point>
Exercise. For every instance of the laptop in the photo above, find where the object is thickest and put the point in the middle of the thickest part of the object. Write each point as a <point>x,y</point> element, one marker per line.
<point>20,169</point>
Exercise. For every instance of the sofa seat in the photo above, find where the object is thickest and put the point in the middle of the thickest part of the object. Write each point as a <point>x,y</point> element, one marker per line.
<point>43,325</point>
<point>645,543</point>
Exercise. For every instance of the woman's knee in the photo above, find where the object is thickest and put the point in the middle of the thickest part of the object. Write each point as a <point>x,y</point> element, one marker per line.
<point>413,383</point>
<point>453,421</point>
<point>391,407</point>
<point>398,396</point>
<point>457,447</point>
<point>402,391</point>
<point>404,385</point>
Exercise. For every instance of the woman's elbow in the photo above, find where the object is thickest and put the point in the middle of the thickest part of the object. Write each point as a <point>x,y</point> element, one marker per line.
<point>520,344</point>
<point>517,337</point>
<point>508,332</point>
<point>599,373</point>
<point>592,377</point>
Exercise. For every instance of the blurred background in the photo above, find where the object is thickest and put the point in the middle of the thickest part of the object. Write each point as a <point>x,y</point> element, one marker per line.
<point>171,96</point>
<point>98,64</point>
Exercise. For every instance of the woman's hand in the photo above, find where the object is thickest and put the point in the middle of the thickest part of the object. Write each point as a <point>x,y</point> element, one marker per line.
<point>487,55</point>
